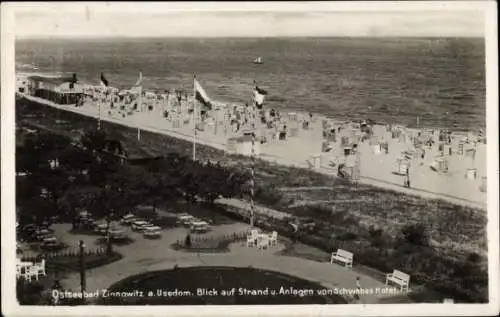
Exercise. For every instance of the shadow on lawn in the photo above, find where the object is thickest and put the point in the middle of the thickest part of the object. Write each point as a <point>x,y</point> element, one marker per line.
<point>120,242</point>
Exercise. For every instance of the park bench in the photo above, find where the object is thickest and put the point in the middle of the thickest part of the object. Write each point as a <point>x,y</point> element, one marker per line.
<point>400,278</point>
<point>342,256</point>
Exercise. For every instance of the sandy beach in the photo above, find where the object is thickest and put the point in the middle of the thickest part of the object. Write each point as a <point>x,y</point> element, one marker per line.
<point>375,166</point>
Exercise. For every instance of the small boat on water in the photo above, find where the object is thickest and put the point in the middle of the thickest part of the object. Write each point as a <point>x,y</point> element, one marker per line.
<point>258,60</point>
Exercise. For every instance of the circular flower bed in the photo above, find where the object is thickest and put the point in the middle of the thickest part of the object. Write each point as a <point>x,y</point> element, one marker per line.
<point>216,286</point>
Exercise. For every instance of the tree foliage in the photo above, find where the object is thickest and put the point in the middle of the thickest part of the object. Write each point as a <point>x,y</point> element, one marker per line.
<point>117,188</point>
<point>416,234</point>
<point>93,140</point>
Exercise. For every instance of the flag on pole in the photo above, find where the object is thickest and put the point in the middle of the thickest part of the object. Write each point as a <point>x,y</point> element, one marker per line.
<point>73,81</point>
<point>201,96</point>
<point>139,80</point>
<point>137,88</point>
<point>104,81</point>
<point>259,94</point>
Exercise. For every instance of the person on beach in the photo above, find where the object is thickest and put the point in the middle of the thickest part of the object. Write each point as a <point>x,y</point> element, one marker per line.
<point>407,179</point>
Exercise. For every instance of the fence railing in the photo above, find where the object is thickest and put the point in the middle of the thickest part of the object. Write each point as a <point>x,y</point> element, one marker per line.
<point>67,252</point>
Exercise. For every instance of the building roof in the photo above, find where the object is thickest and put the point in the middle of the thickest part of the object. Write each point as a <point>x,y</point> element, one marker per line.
<point>243,138</point>
<point>51,80</point>
<point>133,148</point>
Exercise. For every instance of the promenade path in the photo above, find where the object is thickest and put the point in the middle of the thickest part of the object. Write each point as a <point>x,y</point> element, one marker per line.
<point>145,255</point>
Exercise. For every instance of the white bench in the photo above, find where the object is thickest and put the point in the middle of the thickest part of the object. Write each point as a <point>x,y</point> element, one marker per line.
<point>342,256</point>
<point>400,278</point>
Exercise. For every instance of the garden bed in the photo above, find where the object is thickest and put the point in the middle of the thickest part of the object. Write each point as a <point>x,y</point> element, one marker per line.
<point>202,244</point>
<point>70,262</point>
<point>103,241</point>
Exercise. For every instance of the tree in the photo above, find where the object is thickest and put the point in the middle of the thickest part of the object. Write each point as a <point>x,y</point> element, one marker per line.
<point>211,183</point>
<point>35,152</point>
<point>26,189</point>
<point>190,181</point>
<point>416,234</point>
<point>105,205</point>
<point>27,159</point>
<point>56,182</point>
<point>121,192</point>
<point>235,184</point>
<point>216,181</point>
<point>73,158</point>
<point>37,210</point>
<point>78,198</point>
<point>93,140</point>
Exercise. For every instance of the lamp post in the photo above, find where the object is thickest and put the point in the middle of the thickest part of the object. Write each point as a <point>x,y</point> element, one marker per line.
<point>82,267</point>
<point>109,249</point>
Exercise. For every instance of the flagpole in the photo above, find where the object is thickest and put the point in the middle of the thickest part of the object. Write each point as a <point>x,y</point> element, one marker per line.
<point>140,105</point>
<point>99,114</point>
<point>194,118</point>
<point>252,169</point>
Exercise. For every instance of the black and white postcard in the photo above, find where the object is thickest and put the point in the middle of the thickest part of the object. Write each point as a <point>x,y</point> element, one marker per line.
<point>253,158</point>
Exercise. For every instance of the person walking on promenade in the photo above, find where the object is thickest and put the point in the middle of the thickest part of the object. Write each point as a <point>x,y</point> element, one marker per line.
<point>407,179</point>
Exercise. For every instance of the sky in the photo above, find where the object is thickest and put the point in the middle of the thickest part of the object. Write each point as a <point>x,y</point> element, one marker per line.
<point>226,19</point>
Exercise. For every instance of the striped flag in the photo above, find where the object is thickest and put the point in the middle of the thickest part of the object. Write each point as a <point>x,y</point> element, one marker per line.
<point>201,95</point>
<point>104,81</point>
<point>139,80</point>
<point>137,88</point>
<point>259,94</point>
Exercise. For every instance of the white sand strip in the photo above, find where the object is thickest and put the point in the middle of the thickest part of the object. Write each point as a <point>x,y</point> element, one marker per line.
<point>376,169</point>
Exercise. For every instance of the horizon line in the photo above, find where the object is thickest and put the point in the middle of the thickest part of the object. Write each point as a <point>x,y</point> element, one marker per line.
<point>105,37</point>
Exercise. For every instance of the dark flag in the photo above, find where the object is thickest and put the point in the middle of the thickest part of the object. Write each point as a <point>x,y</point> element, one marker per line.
<point>104,81</point>
<point>73,81</point>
